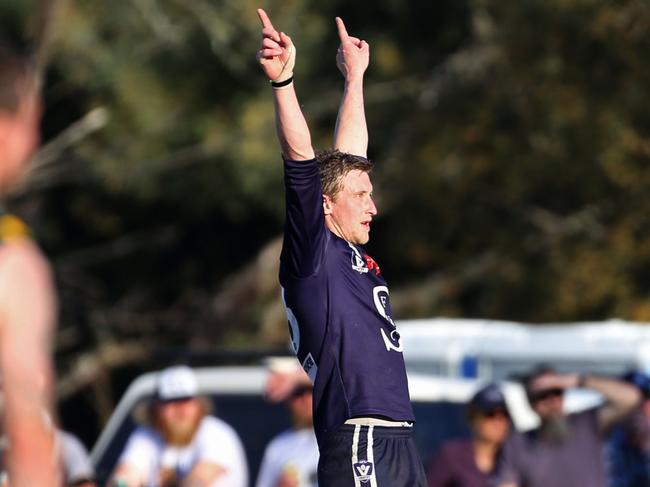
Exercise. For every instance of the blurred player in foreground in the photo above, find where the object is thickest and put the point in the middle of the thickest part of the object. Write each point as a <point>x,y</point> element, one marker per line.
<point>27,303</point>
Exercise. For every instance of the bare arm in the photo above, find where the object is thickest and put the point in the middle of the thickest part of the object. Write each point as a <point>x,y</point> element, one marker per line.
<point>126,475</point>
<point>352,58</point>
<point>621,398</point>
<point>277,57</point>
<point>27,314</point>
<point>203,474</point>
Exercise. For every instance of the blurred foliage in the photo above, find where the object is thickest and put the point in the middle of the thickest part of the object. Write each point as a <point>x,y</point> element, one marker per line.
<point>511,141</point>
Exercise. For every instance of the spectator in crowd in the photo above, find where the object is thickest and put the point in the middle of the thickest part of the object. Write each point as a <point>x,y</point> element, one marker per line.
<point>27,298</point>
<point>181,445</point>
<point>77,468</point>
<point>291,458</point>
<point>628,450</point>
<point>566,449</point>
<point>471,462</point>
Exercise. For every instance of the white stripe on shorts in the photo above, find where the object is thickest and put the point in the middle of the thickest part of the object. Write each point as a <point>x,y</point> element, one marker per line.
<point>355,454</point>
<point>371,457</point>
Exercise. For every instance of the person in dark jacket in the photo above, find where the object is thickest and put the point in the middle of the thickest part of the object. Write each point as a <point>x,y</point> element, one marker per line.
<point>470,462</point>
<point>628,449</point>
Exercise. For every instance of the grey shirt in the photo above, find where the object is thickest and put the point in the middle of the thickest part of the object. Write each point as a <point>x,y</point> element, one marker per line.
<point>530,461</point>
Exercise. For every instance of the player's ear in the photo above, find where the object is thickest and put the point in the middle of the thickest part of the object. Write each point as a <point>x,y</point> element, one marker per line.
<point>327,205</point>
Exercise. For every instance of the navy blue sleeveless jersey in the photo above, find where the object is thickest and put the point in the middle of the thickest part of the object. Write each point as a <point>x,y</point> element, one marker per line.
<point>339,314</point>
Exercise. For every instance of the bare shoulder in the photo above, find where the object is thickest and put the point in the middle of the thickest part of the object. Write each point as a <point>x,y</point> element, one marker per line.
<point>23,268</point>
<point>22,257</point>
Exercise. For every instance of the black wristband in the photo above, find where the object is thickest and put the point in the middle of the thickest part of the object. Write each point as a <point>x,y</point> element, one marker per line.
<point>280,84</point>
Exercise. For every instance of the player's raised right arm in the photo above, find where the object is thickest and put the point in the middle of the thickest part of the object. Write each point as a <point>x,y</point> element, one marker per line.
<point>277,56</point>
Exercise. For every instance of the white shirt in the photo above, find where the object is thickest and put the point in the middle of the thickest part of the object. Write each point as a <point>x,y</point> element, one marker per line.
<point>214,441</point>
<point>295,450</point>
<point>74,457</point>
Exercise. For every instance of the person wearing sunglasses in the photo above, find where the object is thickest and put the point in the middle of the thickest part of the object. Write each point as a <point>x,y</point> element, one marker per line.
<point>566,450</point>
<point>471,462</point>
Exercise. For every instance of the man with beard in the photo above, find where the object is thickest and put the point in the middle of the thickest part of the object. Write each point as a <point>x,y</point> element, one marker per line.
<point>566,450</point>
<point>183,446</point>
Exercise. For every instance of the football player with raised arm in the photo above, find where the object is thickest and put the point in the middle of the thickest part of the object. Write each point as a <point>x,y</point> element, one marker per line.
<point>336,298</point>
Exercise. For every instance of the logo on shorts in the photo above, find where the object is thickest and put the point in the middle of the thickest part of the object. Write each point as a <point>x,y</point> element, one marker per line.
<point>363,470</point>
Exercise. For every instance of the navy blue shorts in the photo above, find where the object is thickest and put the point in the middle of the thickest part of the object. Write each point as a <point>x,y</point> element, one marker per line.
<point>371,456</point>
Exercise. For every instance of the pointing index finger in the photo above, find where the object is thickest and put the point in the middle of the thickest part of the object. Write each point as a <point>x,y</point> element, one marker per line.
<point>264,18</point>
<point>343,33</point>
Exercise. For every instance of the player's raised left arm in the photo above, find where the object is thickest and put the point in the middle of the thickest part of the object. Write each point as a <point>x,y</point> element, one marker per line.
<point>352,59</point>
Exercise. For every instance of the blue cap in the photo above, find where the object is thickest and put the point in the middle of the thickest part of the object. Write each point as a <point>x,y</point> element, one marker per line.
<point>488,398</point>
<point>640,380</point>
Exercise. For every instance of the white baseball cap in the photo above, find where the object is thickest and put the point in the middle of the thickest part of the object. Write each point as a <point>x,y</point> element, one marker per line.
<point>178,382</point>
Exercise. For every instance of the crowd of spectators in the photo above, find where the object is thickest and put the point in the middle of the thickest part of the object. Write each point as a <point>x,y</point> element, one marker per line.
<point>604,446</point>
<point>179,442</point>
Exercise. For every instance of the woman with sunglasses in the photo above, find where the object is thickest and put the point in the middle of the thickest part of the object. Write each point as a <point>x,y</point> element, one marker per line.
<point>471,462</point>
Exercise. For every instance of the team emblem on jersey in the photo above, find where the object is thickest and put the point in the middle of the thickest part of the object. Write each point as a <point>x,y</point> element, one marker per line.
<point>392,339</point>
<point>358,263</point>
<point>363,470</point>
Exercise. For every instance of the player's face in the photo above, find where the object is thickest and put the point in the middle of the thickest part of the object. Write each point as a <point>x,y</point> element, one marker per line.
<point>350,212</point>
<point>18,140</point>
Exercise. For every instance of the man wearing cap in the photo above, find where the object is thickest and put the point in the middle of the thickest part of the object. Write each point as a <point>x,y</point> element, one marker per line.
<point>628,450</point>
<point>182,445</point>
<point>471,462</point>
<point>566,449</point>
